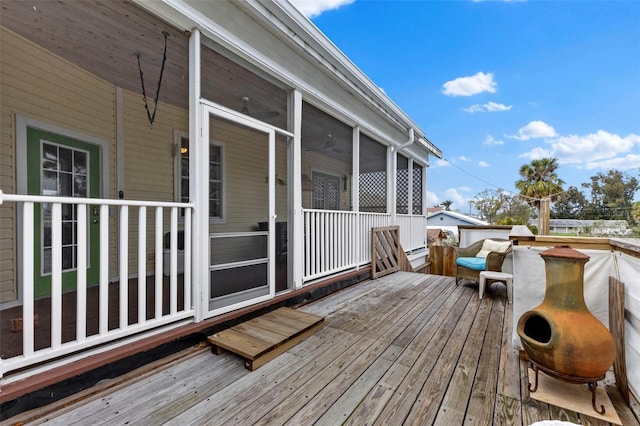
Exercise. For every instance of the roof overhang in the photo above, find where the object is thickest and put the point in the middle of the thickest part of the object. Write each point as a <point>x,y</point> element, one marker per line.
<point>286,22</point>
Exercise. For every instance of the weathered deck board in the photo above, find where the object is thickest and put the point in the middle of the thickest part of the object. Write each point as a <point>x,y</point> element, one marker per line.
<point>403,349</point>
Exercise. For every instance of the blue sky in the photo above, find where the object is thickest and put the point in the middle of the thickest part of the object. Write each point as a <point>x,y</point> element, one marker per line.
<point>495,84</point>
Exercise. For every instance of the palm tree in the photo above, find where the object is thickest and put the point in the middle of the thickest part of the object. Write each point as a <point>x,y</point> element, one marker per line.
<point>446,204</point>
<point>539,182</point>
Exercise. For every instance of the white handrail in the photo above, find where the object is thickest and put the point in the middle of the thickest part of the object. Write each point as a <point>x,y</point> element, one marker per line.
<point>79,200</point>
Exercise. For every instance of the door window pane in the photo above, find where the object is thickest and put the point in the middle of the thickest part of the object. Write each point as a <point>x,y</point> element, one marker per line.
<point>64,173</point>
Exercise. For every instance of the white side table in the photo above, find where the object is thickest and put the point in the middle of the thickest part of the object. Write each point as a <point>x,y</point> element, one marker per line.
<point>497,276</point>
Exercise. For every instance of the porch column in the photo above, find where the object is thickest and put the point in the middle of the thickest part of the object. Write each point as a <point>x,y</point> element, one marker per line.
<point>355,192</point>
<point>392,184</point>
<point>355,166</point>
<point>410,188</point>
<point>198,184</point>
<point>296,243</point>
<point>424,193</point>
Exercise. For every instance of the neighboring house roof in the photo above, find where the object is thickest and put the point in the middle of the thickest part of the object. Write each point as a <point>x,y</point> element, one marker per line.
<point>577,223</point>
<point>452,218</point>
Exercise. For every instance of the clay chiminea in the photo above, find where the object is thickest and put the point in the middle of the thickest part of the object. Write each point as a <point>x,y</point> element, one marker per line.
<point>560,336</point>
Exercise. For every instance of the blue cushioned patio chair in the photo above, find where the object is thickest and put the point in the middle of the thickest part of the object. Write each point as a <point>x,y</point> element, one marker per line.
<point>469,266</point>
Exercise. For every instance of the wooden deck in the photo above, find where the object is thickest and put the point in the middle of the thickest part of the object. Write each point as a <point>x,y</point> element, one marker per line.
<point>404,349</point>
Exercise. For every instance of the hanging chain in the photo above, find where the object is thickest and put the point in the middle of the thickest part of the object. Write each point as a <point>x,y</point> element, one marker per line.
<point>151,116</point>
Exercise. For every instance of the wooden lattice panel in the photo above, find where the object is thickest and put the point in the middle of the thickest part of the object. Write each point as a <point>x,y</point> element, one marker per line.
<point>385,251</point>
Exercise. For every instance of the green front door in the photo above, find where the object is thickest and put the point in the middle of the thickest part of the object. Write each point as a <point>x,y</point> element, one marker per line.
<point>65,167</point>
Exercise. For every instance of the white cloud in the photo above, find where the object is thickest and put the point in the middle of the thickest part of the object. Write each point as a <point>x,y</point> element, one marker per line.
<point>483,164</point>
<point>463,158</point>
<point>473,109</point>
<point>494,106</point>
<point>432,199</point>
<point>313,8</point>
<point>442,163</point>
<point>453,195</point>
<point>533,130</point>
<point>488,107</point>
<point>599,150</point>
<point>627,162</point>
<point>536,153</point>
<point>469,86</point>
<point>489,140</point>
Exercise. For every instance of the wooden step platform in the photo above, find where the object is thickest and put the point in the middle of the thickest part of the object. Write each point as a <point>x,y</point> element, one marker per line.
<point>263,338</point>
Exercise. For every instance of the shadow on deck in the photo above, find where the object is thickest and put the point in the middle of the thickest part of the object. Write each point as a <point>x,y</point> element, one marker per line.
<point>10,319</point>
<point>406,348</point>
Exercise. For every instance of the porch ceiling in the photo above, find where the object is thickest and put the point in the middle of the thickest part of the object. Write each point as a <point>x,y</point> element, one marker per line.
<point>105,37</point>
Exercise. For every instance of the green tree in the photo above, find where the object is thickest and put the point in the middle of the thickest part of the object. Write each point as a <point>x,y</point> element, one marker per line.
<point>488,203</point>
<point>539,181</point>
<point>570,204</point>
<point>514,211</point>
<point>502,208</point>
<point>612,195</point>
<point>635,211</point>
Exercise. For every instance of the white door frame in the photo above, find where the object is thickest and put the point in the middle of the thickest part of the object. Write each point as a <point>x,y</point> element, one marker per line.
<point>202,193</point>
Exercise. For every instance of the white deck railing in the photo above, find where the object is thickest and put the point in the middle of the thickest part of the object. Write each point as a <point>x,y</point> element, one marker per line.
<point>413,231</point>
<point>141,325</point>
<point>338,240</point>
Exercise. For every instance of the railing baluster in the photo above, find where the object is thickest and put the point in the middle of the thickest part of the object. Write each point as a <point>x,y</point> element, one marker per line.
<point>313,258</point>
<point>81,267</point>
<point>142,265</point>
<point>159,278</point>
<point>27,279</point>
<point>323,239</point>
<point>173,280</point>
<point>56,275</point>
<point>123,263</point>
<point>307,243</point>
<point>104,269</point>
<point>187,259</point>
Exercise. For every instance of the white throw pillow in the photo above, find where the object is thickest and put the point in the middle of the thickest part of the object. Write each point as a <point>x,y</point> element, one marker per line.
<point>491,245</point>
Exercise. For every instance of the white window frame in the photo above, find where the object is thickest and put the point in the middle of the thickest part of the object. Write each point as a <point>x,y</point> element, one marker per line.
<point>178,136</point>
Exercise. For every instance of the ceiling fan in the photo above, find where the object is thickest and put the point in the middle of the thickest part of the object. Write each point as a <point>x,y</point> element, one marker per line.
<point>264,115</point>
<point>329,145</point>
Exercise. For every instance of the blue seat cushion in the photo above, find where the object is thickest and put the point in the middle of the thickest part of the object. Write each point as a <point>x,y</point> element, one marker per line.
<point>475,263</point>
